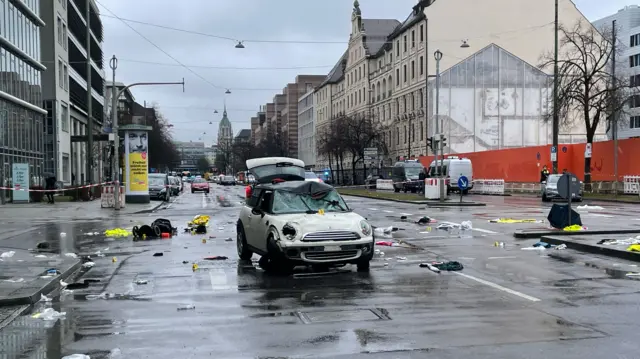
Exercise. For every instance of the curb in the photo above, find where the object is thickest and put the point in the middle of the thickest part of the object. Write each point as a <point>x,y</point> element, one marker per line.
<point>584,198</point>
<point>16,313</point>
<point>492,195</point>
<point>46,289</point>
<point>144,211</point>
<point>595,249</point>
<point>539,234</point>
<point>386,199</point>
<point>456,204</point>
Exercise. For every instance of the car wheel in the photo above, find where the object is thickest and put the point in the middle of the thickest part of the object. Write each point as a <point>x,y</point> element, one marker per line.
<point>544,198</point>
<point>275,260</point>
<point>241,244</point>
<point>192,191</point>
<point>207,191</point>
<point>396,190</point>
<point>363,266</point>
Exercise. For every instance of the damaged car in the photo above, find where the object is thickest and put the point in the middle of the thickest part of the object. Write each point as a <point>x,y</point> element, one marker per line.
<point>289,221</point>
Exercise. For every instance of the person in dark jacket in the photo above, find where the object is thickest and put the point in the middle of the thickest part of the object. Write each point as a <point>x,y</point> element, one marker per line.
<point>50,186</point>
<point>544,174</point>
<point>422,176</point>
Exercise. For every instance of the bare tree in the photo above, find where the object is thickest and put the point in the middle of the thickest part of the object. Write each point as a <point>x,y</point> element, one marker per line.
<point>331,141</point>
<point>362,132</point>
<point>587,91</point>
<point>243,151</point>
<point>223,160</point>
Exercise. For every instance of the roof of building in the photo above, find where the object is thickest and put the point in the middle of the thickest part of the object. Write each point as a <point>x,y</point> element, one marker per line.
<point>244,133</point>
<point>377,31</point>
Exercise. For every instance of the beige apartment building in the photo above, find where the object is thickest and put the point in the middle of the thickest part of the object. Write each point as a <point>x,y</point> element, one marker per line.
<point>503,98</point>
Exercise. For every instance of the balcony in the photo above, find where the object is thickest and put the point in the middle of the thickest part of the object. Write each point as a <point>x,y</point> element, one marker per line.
<point>73,74</point>
<point>77,29</point>
<point>79,6</point>
<point>78,97</point>
<point>77,63</point>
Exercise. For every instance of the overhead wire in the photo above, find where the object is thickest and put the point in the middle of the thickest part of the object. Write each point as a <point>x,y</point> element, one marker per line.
<point>176,60</point>
<point>204,66</point>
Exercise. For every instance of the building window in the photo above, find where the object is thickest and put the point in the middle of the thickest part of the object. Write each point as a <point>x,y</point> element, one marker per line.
<point>64,118</point>
<point>421,99</point>
<point>405,133</point>
<point>421,33</point>
<point>397,135</point>
<point>66,170</point>
<point>397,77</point>
<point>60,78</point>
<point>634,101</point>
<point>634,81</point>
<point>413,38</point>
<point>391,58</point>
<point>634,122</point>
<point>634,40</point>
<point>405,43</point>
<point>66,78</point>
<point>59,28</point>
<point>404,71</point>
<point>421,131</point>
<point>404,103</point>
<point>398,48</point>
<point>413,69</point>
<point>64,36</point>
<point>634,60</point>
<point>421,65</point>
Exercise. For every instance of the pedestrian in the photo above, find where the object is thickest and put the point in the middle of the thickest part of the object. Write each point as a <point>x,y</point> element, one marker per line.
<point>422,176</point>
<point>50,186</point>
<point>544,174</point>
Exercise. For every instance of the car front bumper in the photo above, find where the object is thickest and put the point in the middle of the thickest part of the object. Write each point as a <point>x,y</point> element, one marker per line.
<point>200,189</point>
<point>556,196</point>
<point>327,252</point>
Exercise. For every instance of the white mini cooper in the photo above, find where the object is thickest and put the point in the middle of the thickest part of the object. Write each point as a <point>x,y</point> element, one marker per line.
<point>290,221</point>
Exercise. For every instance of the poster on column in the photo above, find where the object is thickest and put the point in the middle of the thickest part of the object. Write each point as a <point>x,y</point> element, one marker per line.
<point>20,182</point>
<point>136,146</point>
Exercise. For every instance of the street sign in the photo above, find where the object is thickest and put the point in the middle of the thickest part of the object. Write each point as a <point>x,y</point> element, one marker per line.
<point>554,149</point>
<point>587,151</point>
<point>568,186</point>
<point>463,183</point>
<point>554,153</point>
<point>371,154</point>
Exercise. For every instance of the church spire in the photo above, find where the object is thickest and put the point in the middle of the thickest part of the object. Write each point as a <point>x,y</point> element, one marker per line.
<point>224,113</point>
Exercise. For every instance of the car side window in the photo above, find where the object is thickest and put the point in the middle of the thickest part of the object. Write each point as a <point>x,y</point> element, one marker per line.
<point>265,201</point>
<point>255,196</point>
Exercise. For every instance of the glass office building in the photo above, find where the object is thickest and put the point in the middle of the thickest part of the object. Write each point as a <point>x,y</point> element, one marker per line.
<point>21,112</point>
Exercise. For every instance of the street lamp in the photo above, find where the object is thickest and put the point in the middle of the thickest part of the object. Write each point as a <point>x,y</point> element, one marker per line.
<point>464,44</point>
<point>215,111</point>
<point>439,126</point>
<point>227,92</point>
<point>239,45</point>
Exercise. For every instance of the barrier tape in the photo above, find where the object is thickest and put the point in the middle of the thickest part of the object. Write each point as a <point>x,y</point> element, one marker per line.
<point>392,183</point>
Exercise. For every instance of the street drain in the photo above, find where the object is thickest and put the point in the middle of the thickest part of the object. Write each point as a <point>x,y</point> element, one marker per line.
<point>342,315</point>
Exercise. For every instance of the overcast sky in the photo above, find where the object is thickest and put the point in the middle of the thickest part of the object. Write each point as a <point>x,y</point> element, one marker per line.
<point>281,20</point>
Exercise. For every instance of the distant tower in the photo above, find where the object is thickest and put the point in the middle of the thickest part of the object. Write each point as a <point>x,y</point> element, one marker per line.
<point>225,132</point>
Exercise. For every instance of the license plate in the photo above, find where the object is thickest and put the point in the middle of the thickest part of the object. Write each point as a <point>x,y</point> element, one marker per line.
<point>332,248</point>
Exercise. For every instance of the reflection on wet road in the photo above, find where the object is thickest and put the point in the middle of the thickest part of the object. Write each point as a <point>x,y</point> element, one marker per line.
<point>506,303</point>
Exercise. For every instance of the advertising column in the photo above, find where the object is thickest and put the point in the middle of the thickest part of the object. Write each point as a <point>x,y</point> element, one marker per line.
<point>136,159</point>
<point>21,183</point>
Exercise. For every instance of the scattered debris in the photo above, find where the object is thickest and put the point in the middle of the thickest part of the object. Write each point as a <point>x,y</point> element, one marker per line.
<point>401,258</point>
<point>142,281</point>
<point>158,254</point>
<point>626,242</point>
<point>216,258</point>
<point>19,280</point>
<point>187,307</point>
<point>587,207</point>
<point>466,225</point>
<point>498,244</point>
<point>194,267</point>
<point>229,239</point>
<point>76,356</point>
<point>114,259</point>
<point>49,314</point>
<point>44,298</point>
<point>634,248</point>
<point>88,264</point>
<point>562,246</point>
<point>43,245</point>
<point>385,243</point>
<point>72,286</point>
<point>8,254</point>
<point>512,220</point>
<point>63,284</point>
<point>71,255</point>
<point>574,228</point>
<point>204,241</point>
<point>63,235</point>
<point>430,266</point>
<point>425,220</point>
<point>185,262</point>
<point>40,256</point>
<point>117,232</point>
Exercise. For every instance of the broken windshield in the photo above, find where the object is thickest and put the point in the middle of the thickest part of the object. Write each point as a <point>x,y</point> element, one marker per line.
<point>289,202</point>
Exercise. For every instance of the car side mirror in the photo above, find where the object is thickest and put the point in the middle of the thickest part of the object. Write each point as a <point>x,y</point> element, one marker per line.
<point>256,211</point>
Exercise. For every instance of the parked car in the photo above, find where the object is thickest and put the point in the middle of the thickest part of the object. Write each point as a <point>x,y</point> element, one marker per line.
<point>200,185</point>
<point>310,176</point>
<point>371,181</point>
<point>549,189</point>
<point>405,176</point>
<point>159,186</point>
<point>174,184</point>
<point>290,221</point>
<point>228,181</point>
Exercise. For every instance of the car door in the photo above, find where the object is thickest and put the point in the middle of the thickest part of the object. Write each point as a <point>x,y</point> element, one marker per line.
<point>259,223</point>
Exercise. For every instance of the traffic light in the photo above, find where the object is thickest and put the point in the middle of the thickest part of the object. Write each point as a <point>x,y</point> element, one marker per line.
<point>430,143</point>
<point>444,142</point>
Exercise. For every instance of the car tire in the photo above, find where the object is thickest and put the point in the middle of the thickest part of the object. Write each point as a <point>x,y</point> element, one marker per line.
<point>276,262</point>
<point>244,252</point>
<point>192,191</point>
<point>207,191</point>
<point>364,265</point>
<point>544,198</point>
<point>396,190</point>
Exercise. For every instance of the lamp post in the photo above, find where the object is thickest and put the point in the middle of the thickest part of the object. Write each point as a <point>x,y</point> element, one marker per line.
<point>556,119</point>
<point>439,126</point>
<point>113,63</point>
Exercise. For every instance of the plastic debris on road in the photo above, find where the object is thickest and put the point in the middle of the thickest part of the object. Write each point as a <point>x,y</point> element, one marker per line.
<point>117,232</point>
<point>142,281</point>
<point>194,267</point>
<point>62,234</point>
<point>626,242</point>
<point>49,314</point>
<point>88,264</point>
<point>401,258</point>
<point>562,246</point>
<point>8,254</point>
<point>158,254</point>
<point>44,298</point>
<point>76,356</point>
<point>187,307</point>
<point>216,258</point>
<point>634,248</point>
<point>466,225</point>
<point>512,220</point>
<point>40,256</point>
<point>385,243</point>
<point>498,244</point>
<point>18,280</point>
<point>63,283</point>
<point>587,207</point>
<point>71,255</point>
<point>574,228</point>
<point>199,220</point>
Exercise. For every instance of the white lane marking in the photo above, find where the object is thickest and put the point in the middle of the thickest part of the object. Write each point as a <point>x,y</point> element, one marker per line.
<point>425,232</point>
<point>507,257</point>
<point>219,281</point>
<point>373,209</point>
<point>387,211</point>
<point>499,287</point>
<point>204,201</point>
<point>599,215</point>
<point>406,214</point>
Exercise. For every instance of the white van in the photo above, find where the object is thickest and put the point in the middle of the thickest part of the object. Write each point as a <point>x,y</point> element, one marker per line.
<point>454,167</point>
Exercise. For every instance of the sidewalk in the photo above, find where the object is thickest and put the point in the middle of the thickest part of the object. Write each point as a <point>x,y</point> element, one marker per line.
<point>70,210</point>
<point>23,277</point>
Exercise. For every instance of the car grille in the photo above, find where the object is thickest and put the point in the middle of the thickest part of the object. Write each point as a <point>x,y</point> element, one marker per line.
<point>331,236</point>
<point>329,256</point>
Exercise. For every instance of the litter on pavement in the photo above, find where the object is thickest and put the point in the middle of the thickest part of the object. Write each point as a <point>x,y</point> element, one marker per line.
<point>142,281</point>
<point>88,264</point>
<point>158,254</point>
<point>574,228</point>
<point>587,207</point>
<point>160,228</point>
<point>18,280</point>
<point>187,307</point>
<point>117,232</point>
<point>216,258</point>
<point>425,220</point>
<point>634,248</point>
<point>76,356</point>
<point>446,266</point>
<point>71,255</point>
<point>627,242</point>
<point>44,298</point>
<point>512,220</point>
<point>8,254</point>
<point>49,314</point>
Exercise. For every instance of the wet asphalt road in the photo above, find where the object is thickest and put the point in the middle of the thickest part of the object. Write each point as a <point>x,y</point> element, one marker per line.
<point>506,303</point>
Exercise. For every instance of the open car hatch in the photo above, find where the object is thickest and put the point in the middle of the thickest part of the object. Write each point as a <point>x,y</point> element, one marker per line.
<point>268,169</point>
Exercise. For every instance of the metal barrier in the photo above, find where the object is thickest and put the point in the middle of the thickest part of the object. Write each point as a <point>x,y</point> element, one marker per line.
<point>107,199</point>
<point>631,184</point>
<point>384,184</point>
<point>432,188</point>
<point>488,186</point>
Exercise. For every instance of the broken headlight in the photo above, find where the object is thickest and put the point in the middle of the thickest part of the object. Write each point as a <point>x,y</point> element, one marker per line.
<point>289,231</point>
<point>365,227</point>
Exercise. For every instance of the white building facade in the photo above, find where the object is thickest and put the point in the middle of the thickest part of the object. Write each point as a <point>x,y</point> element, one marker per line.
<point>627,22</point>
<point>307,130</point>
<point>476,41</point>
